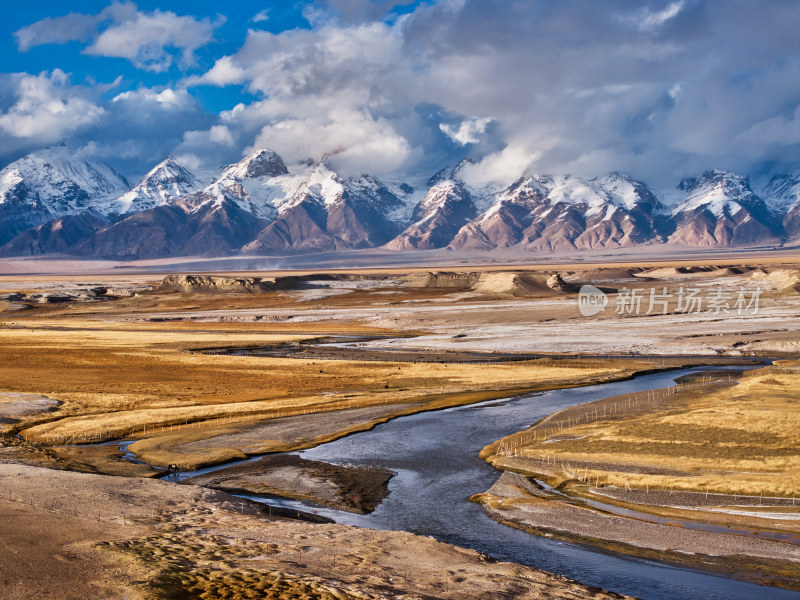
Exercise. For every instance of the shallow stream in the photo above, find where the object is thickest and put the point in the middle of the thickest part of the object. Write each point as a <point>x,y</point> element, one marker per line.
<point>435,456</point>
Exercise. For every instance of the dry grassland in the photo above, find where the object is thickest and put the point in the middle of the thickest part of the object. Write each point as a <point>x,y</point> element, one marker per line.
<point>742,439</point>
<point>140,379</point>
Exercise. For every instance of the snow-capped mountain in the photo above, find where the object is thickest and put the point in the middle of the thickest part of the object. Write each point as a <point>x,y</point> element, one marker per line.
<point>720,209</point>
<point>257,205</point>
<point>546,213</point>
<point>257,184</point>
<point>448,205</point>
<point>51,183</point>
<point>782,193</point>
<point>446,208</point>
<point>324,211</point>
<point>164,183</point>
<point>51,201</point>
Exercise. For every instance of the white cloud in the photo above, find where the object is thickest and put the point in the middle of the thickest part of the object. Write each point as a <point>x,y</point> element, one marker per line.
<point>220,134</point>
<point>653,20</point>
<point>48,108</point>
<point>321,91</point>
<point>500,168</point>
<point>146,38</point>
<point>150,40</point>
<point>224,72</point>
<point>367,62</point>
<point>164,99</point>
<point>672,89</point>
<point>72,27</point>
<point>357,142</point>
<point>766,135</point>
<point>261,16</point>
<point>468,132</point>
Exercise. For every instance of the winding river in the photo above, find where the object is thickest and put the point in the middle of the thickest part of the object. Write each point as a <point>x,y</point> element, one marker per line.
<point>435,456</point>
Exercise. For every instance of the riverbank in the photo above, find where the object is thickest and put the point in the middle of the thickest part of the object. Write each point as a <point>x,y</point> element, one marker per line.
<point>614,482</point>
<point>81,535</point>
<point>357,489</point>
<point>514,501</point>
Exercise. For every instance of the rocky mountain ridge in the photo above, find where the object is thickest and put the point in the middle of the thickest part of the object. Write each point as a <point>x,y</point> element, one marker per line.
<point>53,202</point>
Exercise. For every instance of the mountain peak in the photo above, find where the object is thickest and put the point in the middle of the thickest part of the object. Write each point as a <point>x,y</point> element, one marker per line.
<point>261,163</point>
<point>51,183</point>
<point>449,173</point>
<point>783,191</point>
<point>715,177</point>
<point>161,185</point>
<point>720,209</point>
<point>716,188</point>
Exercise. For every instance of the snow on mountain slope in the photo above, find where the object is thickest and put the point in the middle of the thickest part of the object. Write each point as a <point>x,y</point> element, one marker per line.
<point>256,184</point>
<point>260,205</point>
<point>323,211</point>
<point>542,212</point>
<point>51,183</point>
<point>164,183</point>
<point>782,193</point>
<point>720,209</point>
<point>60,179</point>
<point>446,208</point>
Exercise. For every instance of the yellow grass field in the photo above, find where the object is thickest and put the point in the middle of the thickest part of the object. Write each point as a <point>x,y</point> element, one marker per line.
<point>743,440</point>
<point>141,379</point>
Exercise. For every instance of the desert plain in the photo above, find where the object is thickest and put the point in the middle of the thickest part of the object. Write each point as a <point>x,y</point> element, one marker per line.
<point>137,408</point>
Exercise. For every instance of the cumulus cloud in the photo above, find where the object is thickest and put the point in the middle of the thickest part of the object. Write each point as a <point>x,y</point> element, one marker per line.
<point>660,89</point>
<point>365,62</point>
<point>356,141</point>
<point>166,99</point>
<point>325,91</point>
<point>47,108</point>
<point>147,38</point>
<point>150,40</point>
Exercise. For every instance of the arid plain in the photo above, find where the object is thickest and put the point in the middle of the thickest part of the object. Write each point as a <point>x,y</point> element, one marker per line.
<point>111,381</point>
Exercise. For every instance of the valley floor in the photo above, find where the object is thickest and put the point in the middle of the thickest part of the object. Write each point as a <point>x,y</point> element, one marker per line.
<point>195,378</point>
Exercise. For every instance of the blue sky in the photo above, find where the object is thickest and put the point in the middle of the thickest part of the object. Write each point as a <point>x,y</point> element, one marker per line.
<point>229,34</point>
<point>659,89</point>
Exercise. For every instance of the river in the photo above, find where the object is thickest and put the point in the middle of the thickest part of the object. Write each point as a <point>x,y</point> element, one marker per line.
<point>435,456</point>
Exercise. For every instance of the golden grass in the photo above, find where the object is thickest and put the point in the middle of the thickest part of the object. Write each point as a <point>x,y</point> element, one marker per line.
<point>741,440</point>
<point>119,379</point>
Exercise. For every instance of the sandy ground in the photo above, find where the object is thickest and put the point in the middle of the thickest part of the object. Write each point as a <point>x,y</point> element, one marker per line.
<point>76,535</point>
<point>358,489</point>
<point>288,433</point>
<point>381,260</point>
<point>14,405</point>
<point>547,326</point>
<point>514,500</point>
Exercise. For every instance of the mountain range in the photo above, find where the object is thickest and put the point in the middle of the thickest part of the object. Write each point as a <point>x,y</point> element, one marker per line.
<point>52,201</point>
